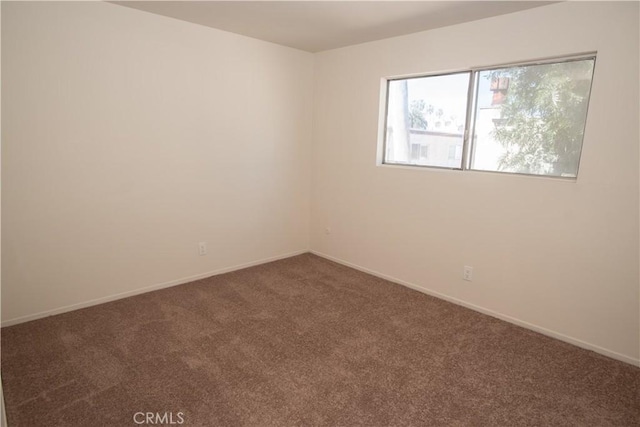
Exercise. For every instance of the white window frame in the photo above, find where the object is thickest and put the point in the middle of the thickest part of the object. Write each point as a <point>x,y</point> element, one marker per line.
<point>468,145</point>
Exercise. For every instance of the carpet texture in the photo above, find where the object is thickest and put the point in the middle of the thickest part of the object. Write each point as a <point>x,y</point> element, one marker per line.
<point>303,341</point>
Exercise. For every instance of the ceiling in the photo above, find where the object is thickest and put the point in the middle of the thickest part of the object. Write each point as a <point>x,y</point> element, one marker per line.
<point>315,26</point>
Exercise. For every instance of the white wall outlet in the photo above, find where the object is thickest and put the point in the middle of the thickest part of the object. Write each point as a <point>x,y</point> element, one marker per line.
<point>327,230</point>
<point>467,273</point>
<point>202,248</point>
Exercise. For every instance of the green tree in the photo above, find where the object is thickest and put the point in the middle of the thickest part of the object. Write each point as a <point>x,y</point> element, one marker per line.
<point>416,115</point>
<point>542,117</point>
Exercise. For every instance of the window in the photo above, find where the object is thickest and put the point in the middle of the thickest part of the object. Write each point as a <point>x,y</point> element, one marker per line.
<point>523,119</point>
<point>426,110</point>
<point>424,151</point>
<point>452,152</point>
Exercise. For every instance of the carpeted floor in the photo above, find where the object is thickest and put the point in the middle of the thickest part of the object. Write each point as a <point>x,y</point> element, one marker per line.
<point>303,341</point>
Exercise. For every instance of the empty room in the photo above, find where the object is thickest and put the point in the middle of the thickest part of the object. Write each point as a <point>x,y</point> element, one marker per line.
<point>320,213</point>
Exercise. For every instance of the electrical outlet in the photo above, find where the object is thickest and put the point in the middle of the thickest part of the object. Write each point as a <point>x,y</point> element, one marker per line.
<point>202,248</point>
<point>467,273</point>
<point>327,230</point>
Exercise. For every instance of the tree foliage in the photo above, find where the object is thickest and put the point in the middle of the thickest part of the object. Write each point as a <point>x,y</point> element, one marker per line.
<point>416,115</point>
<point>542,118</point>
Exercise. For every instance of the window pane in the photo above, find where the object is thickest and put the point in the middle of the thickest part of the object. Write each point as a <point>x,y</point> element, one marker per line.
<point>426,120</point>
<point>530,119</point>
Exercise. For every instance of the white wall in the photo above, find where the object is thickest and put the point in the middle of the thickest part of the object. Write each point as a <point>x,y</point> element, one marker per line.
<point>3,414</point>
<point>559,256</point>
<point>129,137</point>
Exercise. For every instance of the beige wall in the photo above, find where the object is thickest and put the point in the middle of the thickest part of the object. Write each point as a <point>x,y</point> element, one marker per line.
<point>129,137</point>
<point>558,256</point>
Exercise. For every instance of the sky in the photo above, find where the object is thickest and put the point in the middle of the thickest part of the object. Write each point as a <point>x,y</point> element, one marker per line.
<point>448,92</point>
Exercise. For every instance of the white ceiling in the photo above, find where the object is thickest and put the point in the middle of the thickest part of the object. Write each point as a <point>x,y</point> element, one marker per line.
<point>321,25</point>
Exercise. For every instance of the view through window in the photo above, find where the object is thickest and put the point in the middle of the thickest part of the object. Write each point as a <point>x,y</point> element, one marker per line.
<point>526,119</point>
<point>426,119</point>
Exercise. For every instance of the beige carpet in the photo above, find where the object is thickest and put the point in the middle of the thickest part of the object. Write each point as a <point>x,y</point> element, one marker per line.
<point>303,341</point>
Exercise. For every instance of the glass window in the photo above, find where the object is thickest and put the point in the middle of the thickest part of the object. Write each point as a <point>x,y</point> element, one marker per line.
<point>530,119</point>
<point>524,119</point>
<point>426,110</point>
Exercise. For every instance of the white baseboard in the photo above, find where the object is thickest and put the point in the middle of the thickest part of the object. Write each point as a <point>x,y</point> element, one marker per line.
<point>138,291</point>
<point>506,318</point>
